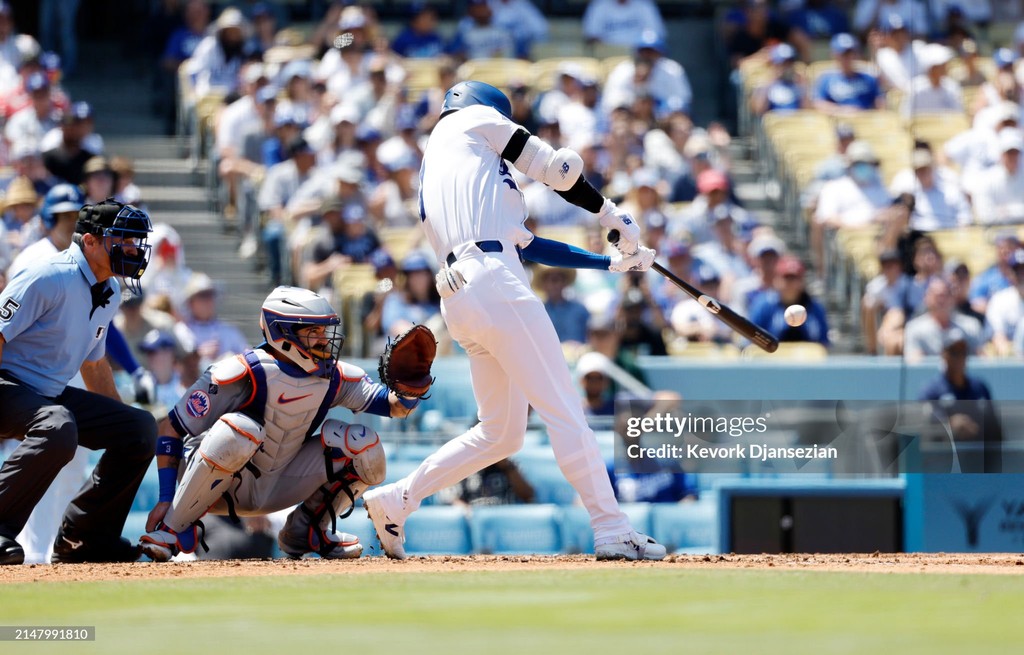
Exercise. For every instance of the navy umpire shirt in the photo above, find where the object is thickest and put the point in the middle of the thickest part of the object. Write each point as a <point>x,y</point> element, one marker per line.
<point>44,317</point>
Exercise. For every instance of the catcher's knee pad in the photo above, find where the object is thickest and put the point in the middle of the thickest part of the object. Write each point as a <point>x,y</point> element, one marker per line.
<point>356,444</point>
<point>224,450</point>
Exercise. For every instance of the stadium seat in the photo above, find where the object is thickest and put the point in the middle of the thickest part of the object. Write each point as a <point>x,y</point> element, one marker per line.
<point>420,75</point>
<point>438,530</point>
<point>937,128</point>
<point>541,470</point>
<point>398,241</point>
<point>686,527</point>
<point>516,530</point>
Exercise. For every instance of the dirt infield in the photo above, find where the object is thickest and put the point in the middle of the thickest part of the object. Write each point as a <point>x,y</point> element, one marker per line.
<point>1005,564</point>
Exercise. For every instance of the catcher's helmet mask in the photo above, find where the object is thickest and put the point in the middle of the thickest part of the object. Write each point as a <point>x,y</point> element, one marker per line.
<point>124,230</point>
<point>286,312</point>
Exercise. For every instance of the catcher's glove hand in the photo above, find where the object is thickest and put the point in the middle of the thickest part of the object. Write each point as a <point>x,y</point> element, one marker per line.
<point>405,363</point>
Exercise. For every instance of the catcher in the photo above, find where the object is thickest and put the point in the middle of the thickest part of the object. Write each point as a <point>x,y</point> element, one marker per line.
<point>247,430</point>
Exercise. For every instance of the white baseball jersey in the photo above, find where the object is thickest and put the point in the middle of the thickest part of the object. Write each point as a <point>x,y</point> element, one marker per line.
<point>467,192</point>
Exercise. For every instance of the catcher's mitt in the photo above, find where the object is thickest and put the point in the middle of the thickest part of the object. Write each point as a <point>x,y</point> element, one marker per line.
<point>405,363</point>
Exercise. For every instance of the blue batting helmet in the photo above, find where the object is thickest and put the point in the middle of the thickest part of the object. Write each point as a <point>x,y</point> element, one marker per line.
<point>60,199</point>
<point>469,93</point>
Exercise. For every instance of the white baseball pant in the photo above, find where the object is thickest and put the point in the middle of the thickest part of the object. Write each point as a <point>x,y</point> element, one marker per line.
<point>516,362</point>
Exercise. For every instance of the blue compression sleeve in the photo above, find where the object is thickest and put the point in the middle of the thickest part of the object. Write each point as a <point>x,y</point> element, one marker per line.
<point>556,253</point>
<point>117,347</point>
<point>379,405</point>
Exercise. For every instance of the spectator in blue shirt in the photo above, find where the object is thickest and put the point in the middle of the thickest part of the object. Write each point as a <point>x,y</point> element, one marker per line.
<point>568,316</point>
<point>963,405</point>
<point>790,289</point>
<point>787,92</point>
<point>416,302</point>
<point>846,90</point>
<point>997,277</point>
<point>420,39</point>
<point>477,37</point>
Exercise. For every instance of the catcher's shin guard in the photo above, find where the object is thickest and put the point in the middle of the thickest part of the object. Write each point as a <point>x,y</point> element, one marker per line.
<point>355,461</point>
<point>224,450</point>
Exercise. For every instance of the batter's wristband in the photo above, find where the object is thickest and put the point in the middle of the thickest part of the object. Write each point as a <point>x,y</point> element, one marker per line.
<point>409,403</point>
<point>169,446</point>
<point>168,481</point>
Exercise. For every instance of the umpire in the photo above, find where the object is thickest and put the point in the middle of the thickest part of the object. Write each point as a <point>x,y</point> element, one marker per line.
<point>53,319</point>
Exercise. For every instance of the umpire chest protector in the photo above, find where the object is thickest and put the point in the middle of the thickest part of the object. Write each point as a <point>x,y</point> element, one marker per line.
<point>289,407</point>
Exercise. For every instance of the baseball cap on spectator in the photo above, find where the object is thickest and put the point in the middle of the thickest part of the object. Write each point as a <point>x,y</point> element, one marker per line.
<point>921,158</point>
<point>893,22</point>
<point>952,337</point>
<point>765,244</point>
<point>37,82</point>
<point>935,54</point>
<point>790,266</point>
<point>1004,57</point>
<point>570,69</point>
<point>229,18</point>
<point>698,145</point>
<point>783,53</point>
<point>380,259</point>
<point>845,132</point>
<point>266,94</point>
<point>1005,236</point>
<point>298,68</point>
<point>284,115</point>
<point>299,146</point>
<point>366,133</point>
<point>1007,111</point>
<point>254,73</point>
<point>78,111</point>
<point>890,255</point>
<point>1011,139</point>
<point>590,363</point>
<point>649,39</point>
<point>199,284</point>
<point>708,275</point>
<point>645,177</point>
<point>20,192</point>
<point>348,172</point>
<point>352,18</point>
<point>712,180</point>
<point>353,213</point>
<point>842,43</point>
<point>415,261</point>
<point>97,165</point>
<point>861,151</point>
<point>342,113</point>
<point>156,340</point>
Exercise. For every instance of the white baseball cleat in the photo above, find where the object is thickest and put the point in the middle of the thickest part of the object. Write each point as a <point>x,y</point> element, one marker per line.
<point>631,546</point>
<point>390,533</point>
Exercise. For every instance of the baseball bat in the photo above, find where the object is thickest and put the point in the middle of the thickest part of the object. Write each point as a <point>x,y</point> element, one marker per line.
<point>743,326</point>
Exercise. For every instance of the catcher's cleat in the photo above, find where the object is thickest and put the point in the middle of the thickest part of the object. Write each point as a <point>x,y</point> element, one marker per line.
<point>162,544</point>
<point>339,545</point>
<point>631,546</point>
<point>390,533</point>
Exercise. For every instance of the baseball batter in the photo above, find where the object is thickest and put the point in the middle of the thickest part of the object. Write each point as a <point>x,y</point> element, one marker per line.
<point>247,432</point>
<point>473,214</point>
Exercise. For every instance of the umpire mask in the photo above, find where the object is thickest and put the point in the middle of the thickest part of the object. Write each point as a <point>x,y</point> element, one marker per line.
<point>124,230</point>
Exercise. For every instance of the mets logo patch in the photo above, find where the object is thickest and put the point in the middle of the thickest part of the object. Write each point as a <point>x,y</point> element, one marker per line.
<point>198,404</point>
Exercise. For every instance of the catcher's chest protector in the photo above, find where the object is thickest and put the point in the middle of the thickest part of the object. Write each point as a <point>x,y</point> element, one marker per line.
<point>292,405</point>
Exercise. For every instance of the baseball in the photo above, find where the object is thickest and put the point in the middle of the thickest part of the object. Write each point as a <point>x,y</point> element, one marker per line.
<point>795,315</point>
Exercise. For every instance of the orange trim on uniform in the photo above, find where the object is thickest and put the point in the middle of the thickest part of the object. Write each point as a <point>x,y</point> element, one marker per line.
<point>237,377</point>
<point>241,431</point>
<point>341,372</point>
<point>252,378</point>
<point>214,464</point>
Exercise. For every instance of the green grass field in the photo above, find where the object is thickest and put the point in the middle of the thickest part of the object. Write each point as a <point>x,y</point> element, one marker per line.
<point>620,610</point>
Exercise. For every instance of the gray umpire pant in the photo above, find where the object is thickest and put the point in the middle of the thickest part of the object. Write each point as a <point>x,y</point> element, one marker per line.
<point>51,429</point>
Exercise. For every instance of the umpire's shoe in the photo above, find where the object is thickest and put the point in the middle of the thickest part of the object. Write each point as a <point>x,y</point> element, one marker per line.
<point>11,551</point>
<point>68,550</point>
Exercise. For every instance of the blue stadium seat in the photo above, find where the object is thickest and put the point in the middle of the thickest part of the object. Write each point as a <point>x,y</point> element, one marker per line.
<point>686,527</point>
<point>578,537</point>
<point>438,531</point>
<point>516,529</point>
<point>538,466</point>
